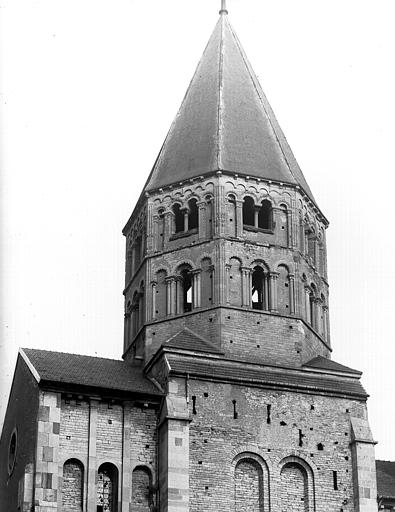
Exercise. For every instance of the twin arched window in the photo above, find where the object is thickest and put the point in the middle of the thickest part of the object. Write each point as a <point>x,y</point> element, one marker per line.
<point>186,219</point>
<point>258,216</point>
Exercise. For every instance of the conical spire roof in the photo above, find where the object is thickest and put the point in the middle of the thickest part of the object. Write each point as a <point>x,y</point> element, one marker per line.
<point>225,123</point>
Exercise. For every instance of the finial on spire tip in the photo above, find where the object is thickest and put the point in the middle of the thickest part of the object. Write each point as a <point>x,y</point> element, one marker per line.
<point>223,7</point>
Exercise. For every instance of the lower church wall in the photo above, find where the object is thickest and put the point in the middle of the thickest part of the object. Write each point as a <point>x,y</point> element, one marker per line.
<point>281,444</point>
<point>102,445</point>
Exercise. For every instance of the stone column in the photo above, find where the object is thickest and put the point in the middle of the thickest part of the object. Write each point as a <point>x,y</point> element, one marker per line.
<point>239,218</point>
<point>168,295</point>
<point>273,290</point>
<point>186,219</point>
<point>213,289</point>
<point>155,227</point>
<point>291,279</point>
<point>202,223</point>
<point>179,290</point>
<point>325,322</point>
<point>227,281</point>
<point>151,235</point>
<point>289,228</point>
<point>219,216</point>
<point>307,305</point>
<point>46,491</point>
<point>363,466</point>
<point>266,287</point>
<point>196,291</point>
<point>92,463</point>
<point>126,469</point>
<point>173,296</point>
<point>222,284</point>
<point>174,455</point>
<point>246,286</point>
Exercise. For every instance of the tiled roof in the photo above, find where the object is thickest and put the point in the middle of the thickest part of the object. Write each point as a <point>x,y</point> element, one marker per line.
<point>92,372</point>
<point>385,471</point>
<point>225,123</point>
<point>324,363</point>
<point>254,374</point>
<point>188,340</point>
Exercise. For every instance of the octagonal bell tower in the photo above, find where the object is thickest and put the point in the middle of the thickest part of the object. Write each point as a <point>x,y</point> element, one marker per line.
<point>227,239</point>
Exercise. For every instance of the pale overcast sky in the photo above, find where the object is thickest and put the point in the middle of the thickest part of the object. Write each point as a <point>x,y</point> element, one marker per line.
<point>88,91</point>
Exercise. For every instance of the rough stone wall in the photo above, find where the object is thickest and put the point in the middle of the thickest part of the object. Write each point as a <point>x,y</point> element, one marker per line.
<point>109,433</point>
<point>268,338</point>
<point>314,430</point>
<point>74,431</point>
<point>143,438</point>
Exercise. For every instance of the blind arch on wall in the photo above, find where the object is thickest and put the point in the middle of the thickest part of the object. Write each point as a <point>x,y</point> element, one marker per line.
<point>141,489</point>
<point>251,483</point>
<point>73,485</point>
<point>296,491</point>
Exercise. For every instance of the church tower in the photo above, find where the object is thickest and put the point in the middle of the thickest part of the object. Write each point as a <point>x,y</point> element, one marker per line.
<point>226,308</point>
<point>227,398</point>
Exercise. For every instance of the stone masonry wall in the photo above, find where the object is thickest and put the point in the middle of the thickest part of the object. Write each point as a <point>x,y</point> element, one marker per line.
<point>115,425</point>
<point>312,432</point>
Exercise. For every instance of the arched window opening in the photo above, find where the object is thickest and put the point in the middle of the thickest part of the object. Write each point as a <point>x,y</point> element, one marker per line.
<point>186,282</point>
<point>294,492</point>
<point>248,212</point>
<point>141,489</point>
<point>260,295</point>
<point>249,492</point>
<point>178,218</point>
<point>72,486</point>
<point>265,215</point>
<point>107,487</point>
<point>193,215</point>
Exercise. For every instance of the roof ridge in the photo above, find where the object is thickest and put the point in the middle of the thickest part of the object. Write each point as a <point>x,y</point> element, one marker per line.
<point>70,354</point>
